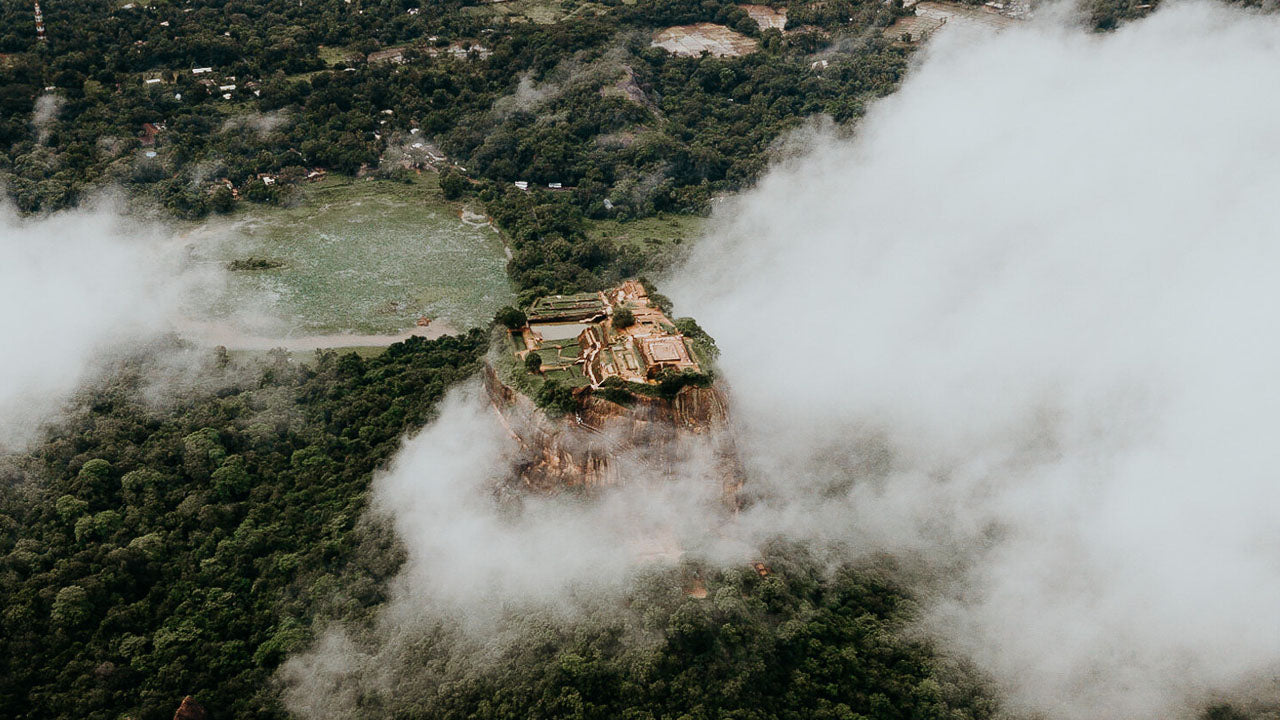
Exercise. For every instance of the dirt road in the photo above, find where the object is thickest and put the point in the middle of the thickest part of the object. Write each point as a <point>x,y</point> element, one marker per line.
<point>234,338</point>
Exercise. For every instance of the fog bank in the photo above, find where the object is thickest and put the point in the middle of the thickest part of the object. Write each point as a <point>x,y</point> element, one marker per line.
<point>1013,333</point>
<point>486,561</point>
<point>1026,317</point>
<point>77,287</point>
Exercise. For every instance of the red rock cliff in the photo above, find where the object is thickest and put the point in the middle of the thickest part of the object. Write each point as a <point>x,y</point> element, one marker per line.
<point>604,442</point>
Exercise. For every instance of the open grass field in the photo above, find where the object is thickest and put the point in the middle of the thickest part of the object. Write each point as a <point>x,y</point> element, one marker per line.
<point>334,55</point>
<point>571,376</point>
<point>359,256</point>
<point>662,238</point>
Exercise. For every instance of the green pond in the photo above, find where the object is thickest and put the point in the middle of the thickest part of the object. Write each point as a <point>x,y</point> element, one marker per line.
<point>359,257</point>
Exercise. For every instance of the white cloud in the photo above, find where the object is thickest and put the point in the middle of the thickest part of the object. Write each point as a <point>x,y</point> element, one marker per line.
<point>482,557</point>
<point>1015,332</point>
<point>1026,315</point>
<point>76,287</point>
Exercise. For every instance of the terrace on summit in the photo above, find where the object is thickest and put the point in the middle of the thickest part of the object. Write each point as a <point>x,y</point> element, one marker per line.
<point>580,307</point>
<point>578,342</point>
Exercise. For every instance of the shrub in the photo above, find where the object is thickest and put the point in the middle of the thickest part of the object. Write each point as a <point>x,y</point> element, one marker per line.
<point>453,184</point>
<point>671,382</point>
<point>623,317</point>
<point>690,329</point>
<point>617,395</point>
<point>511,317</point>
<point>556,398</point>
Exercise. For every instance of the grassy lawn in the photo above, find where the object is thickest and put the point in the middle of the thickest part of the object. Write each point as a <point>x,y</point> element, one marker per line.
<point>334,55</point>
<point>560,352</point>
<point>232,108</point>
<point>571,376</point>
<point>365,256</point>
<point>662,238</point>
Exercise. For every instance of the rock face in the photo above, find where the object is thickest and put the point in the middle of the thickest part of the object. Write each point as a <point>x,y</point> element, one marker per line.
<point>190,710</point>
<point>604,442</point>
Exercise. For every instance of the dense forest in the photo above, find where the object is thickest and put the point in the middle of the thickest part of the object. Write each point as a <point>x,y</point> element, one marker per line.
<point>149,552</point>
<point>154,549</point>
<point>790,641</point>
<point>579,99</point>
<point>152,552</point>
<point>286,89</point>
<point>291,86</point>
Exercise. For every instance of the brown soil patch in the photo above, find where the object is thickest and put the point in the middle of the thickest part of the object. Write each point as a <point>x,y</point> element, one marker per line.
<point>693,40</point>
<point>913,29</point>
<point>932,16</point>
<point>956,14</point>
<point>766,17</point>
<point>628,88</point>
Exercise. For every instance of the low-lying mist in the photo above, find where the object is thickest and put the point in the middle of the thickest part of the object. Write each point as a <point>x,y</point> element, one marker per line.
<point>1019,328</point>
<point>483,560</point>
<point>77,288</point>
<point>1015,333</point>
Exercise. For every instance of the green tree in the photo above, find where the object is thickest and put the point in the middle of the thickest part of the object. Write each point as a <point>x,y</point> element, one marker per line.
<point>221,201</point>
<point>623,318</point>
<point>512,318</point>
<point>71,607</point>
<point>556,398</point>
<point>453,184</point>
<point>93,483</point>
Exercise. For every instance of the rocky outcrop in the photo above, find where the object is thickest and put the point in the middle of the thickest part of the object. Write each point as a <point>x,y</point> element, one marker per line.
<point>604,443</point>
<point>190,710</point>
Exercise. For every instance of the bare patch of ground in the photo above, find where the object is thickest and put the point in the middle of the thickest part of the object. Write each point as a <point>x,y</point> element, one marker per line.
<point>766,17</point>
<point>932,15</point>
<point>958,15</point>
<point>913,29</point>
<point>693,40</point>
<point>228,335</point>
<point>628,87</point>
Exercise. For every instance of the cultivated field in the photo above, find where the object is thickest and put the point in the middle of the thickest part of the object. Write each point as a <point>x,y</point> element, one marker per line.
<point>957,15</point>
<point>766,17</point>
<point>933,16</point>
<point>693,40</point>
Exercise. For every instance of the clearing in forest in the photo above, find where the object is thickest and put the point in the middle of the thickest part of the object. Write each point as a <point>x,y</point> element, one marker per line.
<point>693,40</point>
<point>932,16</point>
<point>766,17</point>
<point>358,256</point>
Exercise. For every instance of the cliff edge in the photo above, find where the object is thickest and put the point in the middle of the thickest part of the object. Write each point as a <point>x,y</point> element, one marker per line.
<point>603,443</point>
